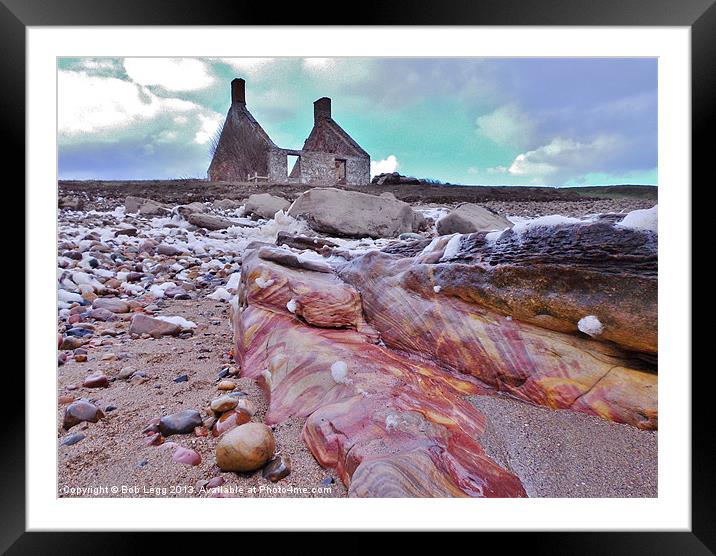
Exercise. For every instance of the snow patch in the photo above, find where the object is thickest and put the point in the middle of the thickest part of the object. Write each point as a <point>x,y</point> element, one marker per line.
<point>452,248</point>
<point>391,422</point>
<point>261,283</point>
<point>590,325</point>
<point>234,280</point>
<point>179,321</point>
<point>339,372</point>
<point>641,219</point>
<point>220,294</point>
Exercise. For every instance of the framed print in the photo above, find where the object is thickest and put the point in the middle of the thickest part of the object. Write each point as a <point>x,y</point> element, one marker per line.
<point>418,272</point>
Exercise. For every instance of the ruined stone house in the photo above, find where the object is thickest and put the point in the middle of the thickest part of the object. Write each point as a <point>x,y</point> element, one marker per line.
<point>245,151</point>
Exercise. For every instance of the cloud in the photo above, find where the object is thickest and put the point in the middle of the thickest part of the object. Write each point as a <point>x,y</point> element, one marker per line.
<point>248,66</point>
<point>172,74</point>
<point>90,104</point>
<point>563,159</point>
<point>507,125</point>
<point>384,166</point>
<point>209,124</point>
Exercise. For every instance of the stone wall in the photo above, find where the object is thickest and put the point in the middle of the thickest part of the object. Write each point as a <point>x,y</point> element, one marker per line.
<point>316,168</point>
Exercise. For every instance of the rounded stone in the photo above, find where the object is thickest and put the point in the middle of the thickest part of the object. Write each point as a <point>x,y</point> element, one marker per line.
<point>227,385</point>
<point>80,411</point>
<point>224,403</point>
<point>230,420</point>
<point>183,422</point>
<point>245,448</point>
<point>186,456</point>
<point>97,380</point>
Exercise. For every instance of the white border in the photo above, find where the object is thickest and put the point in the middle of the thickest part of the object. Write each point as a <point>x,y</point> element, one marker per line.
<point>671,510</point>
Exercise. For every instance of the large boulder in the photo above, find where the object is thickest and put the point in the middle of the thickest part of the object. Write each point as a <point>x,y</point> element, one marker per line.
<point>145,207</point>
<point>263,205</point>
<point>468,218</point>
<point>209,221</point>
<point>191,208</point>
<point>354,214</point>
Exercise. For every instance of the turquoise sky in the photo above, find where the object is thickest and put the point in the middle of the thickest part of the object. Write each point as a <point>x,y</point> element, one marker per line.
<point>496,121</point>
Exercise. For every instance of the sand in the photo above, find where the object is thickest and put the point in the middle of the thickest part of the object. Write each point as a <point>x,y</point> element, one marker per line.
<point>114,452</point>
<point>565,454</point>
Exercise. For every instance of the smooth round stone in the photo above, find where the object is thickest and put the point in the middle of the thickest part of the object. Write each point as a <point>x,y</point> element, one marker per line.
<point>71,439</point>
<point>103,314</point>
<point>71,342</point>
<point>78,332</point>
<point>246,405</point>
<point>226,385</point>
<point>80,411</point>
<point>224,403</point>
<point>277,468</point>
<point>97,380</point>
<point>183,422</point>
<point>245,448</point>
<point>111,304</point>
<point>230,420</point>
<point>126,372</point>
<point>186,456</point>
<point>80,357</point>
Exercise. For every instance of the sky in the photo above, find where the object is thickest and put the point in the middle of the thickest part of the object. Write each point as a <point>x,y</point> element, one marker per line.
<point>482,121</point>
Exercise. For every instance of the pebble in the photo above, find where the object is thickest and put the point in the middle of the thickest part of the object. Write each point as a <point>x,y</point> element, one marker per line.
<point>71,342</point>
<point>103,315</point>
<point>154,439</point>
<point>186,456</point>
<point>112,304</point>
<point>71,439</point>
<point>143,324</point>
<point>246,448</point>
<point>226,385</point>
<point>230,420</point>
<point>224,403</point>
<point>97,380</point>
<point>81,411</point>
<point>126,372</point>
<point>180,423</point>
<point>181,378</point>
<point>277,468</point>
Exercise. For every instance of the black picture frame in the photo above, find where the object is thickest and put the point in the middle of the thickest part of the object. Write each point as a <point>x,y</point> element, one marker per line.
<point>699,15</point>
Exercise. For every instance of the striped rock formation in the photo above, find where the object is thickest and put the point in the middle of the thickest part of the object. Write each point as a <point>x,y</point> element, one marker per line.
<point>378,353</point>
<point>506,310</point>
<point>389,426</point>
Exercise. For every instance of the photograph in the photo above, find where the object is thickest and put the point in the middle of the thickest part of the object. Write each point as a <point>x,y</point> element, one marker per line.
<point>357,277</point>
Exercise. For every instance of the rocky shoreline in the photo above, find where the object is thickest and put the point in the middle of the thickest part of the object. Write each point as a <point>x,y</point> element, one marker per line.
<point>200,315</point>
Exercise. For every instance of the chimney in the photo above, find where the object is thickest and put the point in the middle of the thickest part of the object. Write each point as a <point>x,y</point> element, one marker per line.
<point>238,91</point>
<point>322,109</point>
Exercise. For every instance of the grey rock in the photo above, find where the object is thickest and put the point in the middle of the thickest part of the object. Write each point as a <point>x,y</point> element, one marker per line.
<point>263,205</point>
<point>209,221</point>
<point>183,422</point>
<point>353,214</point>
<point>468,218</point>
